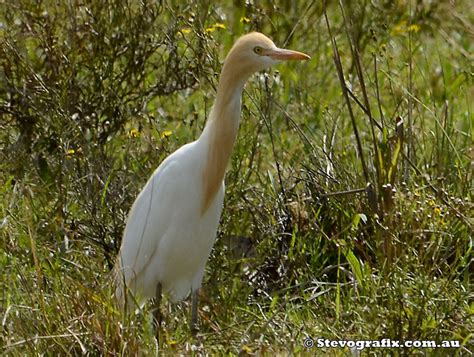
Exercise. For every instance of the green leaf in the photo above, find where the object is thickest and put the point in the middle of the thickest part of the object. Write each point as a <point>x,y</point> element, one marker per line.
<point>356,267</point>
<point>357,218</point>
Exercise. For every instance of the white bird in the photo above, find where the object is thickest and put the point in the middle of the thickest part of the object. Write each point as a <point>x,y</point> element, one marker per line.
<point>172,225</point>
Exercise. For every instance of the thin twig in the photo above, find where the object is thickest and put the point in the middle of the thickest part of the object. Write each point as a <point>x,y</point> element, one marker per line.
<point>360,75</point>
<point>37,338</point>
<point>340,73</point>
<point>347,192</point>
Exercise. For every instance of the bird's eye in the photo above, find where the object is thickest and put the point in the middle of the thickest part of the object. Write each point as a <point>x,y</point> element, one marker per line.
<point>258,50</point>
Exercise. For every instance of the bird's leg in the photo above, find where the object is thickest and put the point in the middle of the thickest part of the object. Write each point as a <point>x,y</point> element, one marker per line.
<point>194,311</point>
<point>157,313</point>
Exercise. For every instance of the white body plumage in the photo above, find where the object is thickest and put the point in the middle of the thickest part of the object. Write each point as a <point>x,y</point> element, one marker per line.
<point>166,238</point>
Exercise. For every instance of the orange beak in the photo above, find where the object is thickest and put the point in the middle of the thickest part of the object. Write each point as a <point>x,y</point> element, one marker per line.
<point>282,54</point>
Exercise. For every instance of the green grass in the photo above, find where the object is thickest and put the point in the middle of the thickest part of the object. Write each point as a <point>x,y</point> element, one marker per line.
<point>93,96</point>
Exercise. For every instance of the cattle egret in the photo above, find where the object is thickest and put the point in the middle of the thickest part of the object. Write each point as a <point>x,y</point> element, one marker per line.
<point>172,225</point>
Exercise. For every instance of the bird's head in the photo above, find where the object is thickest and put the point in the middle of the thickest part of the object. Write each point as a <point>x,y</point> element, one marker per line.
<point>254,52</point>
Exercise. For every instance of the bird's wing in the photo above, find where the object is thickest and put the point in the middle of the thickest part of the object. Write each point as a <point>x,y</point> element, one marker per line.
<point>150,217</point>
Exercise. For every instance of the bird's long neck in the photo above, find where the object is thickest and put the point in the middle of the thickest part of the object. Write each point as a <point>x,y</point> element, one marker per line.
<point>220,133</point>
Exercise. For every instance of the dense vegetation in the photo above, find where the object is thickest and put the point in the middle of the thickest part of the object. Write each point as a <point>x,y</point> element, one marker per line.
<point>348,212</point>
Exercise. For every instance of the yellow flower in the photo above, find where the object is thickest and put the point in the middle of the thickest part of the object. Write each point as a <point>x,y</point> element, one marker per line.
<point>216,26</point>
<point>400,28</point>
<point>184,31</point>
<point>134,133</point>
<point>71,152</point>
<point>414,28</point>
<point>246,350</point>
<point>219,26</point>
<point>437,211</point>
<point>244,20</point>
<point>166,133</point>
